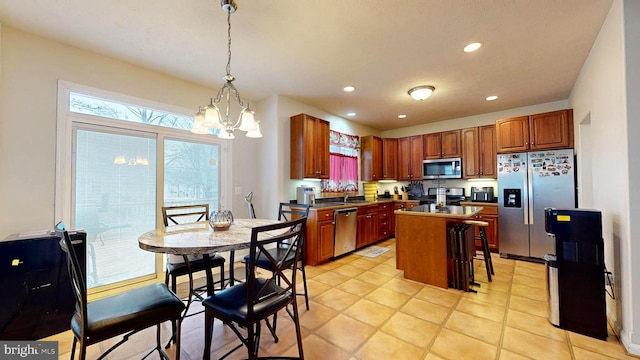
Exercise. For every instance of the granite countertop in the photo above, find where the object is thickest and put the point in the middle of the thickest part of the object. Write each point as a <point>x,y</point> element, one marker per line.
<point>460,212</point>
<point>477,203</point>
<point>352,203</point>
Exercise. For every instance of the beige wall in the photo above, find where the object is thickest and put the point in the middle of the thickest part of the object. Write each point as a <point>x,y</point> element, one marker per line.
<point>605,99</point>
<point>31,67</point>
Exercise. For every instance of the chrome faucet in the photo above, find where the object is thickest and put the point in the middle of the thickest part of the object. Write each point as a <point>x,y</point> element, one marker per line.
<point>346,196</point>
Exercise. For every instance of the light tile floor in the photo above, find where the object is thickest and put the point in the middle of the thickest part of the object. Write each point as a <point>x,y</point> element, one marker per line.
<point>363,308</point>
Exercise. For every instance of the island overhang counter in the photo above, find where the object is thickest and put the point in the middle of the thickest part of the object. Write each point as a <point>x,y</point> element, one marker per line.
<point>421,241</point>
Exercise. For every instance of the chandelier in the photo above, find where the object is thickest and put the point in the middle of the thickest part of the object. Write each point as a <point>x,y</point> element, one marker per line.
<point>210,117</point>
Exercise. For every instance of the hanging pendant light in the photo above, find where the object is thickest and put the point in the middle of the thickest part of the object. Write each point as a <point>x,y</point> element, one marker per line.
<point>255,133</point>
<point>198,123</point>
<point>211,117</point>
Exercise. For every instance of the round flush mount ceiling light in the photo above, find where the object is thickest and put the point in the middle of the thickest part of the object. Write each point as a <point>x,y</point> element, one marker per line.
<point>349,88</point>
<point>351,114</point>
<point>472,47</point>
<point>492,97</point>
<point>402,116</point>
<point>421,92</point>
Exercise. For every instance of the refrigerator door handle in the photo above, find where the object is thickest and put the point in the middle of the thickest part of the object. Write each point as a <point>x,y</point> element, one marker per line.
<point>529,204</point>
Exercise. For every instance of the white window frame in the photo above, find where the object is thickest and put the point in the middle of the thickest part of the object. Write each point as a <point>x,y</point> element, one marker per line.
<point>66,120</point>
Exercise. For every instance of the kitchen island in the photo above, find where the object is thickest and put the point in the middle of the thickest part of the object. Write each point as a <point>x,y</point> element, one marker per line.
<point>421,241</point>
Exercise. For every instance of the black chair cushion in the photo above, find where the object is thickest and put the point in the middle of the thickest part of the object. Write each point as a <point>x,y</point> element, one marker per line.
<point>277,253</point>
<point>135,309</point>
<point>180,269</point>
<point>231,302</point>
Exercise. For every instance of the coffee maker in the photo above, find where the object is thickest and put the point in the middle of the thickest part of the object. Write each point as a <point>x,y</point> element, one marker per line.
<point>306,195</point>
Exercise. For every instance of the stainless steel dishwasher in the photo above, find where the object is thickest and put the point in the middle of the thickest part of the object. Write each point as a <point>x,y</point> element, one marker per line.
<point>345,234</point>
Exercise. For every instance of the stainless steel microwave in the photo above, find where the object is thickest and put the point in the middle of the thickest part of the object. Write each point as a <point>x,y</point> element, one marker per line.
<point>442,169</point>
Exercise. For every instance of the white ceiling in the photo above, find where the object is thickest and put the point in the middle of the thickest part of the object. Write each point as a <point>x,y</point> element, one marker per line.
<point>310,49</point>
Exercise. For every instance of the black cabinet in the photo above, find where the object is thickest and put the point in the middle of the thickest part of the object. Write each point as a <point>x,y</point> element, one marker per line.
<point>37,298</point>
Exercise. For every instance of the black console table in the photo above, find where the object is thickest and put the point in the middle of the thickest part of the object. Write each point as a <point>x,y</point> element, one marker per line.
<point>38,300</point>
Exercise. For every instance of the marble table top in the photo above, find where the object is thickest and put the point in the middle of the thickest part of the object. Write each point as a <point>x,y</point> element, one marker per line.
<point>198,238</point>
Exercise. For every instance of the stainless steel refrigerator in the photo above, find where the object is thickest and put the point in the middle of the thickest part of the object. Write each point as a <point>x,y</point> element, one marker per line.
<point>527,184</point>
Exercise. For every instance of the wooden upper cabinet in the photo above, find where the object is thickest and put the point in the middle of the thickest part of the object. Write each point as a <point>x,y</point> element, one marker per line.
<point>309,147</point>
<point>371,158</point>
<point>470,153</point>
<point>552,130</point>
<point>389,159</point>
<point>451,147</point>
<point>512,135</point>
<point>432,146</point>
<point>410,158</point>
<point>444,144</point>
<point>488,151</point>
<point>479,152</point>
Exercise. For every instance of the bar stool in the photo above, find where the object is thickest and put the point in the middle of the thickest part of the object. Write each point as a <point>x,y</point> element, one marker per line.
<point>486,253</point>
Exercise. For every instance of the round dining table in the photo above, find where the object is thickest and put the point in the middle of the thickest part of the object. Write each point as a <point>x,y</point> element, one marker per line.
<point>199,239</point>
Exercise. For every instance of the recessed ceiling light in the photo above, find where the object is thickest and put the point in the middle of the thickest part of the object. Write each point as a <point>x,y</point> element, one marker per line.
<point>402,116</point>
<point>351,114</point>
<point>472,47</point>
<point>349,88</point>
<point>491,98</point>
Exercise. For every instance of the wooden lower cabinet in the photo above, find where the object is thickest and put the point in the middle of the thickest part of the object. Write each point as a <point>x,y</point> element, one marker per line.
<point>385,213</point>
<point>491,230</point>
<point>367,230</point>
<point>319,237</point>
<point>398,205</point>
<point>375,222</point>
<point>489,214</point>
<point>326,231</point>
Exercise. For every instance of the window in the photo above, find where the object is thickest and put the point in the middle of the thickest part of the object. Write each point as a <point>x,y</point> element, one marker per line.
<point>121,159</point>
<point>191,173</point>
<point>343,159</point>
<point>114,202</point>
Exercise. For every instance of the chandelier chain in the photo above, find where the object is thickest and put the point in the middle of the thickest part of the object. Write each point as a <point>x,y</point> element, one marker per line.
<point>229,41</point>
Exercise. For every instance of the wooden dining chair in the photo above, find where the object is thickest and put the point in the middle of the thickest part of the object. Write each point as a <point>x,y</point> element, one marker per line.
<point>122,314</point>
<point>177,265</point>
<point>245,306</point>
